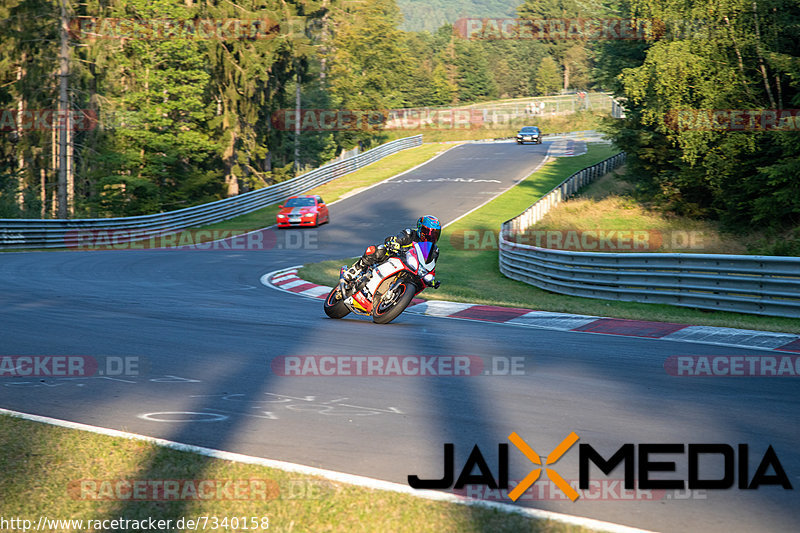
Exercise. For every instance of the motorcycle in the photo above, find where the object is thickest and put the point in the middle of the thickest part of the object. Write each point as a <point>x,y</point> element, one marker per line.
<point>383,291</point>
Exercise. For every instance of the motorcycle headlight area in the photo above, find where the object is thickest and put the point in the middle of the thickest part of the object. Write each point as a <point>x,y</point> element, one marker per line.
<point>412,261</point>
<point>428,278</point>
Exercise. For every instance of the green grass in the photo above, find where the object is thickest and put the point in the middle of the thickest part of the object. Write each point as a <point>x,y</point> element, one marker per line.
<point>43,466</point>
<point>607,205</point>
<point>472,275</point>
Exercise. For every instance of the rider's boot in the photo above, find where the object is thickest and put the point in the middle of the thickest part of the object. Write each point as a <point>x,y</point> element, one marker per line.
<point>352,273</point>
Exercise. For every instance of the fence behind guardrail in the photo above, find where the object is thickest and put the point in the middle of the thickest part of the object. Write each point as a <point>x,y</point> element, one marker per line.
<point>763,285</point>
<point>60,233</point>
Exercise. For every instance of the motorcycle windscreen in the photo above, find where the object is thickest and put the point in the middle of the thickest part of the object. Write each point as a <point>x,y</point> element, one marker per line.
<point>426,248</point>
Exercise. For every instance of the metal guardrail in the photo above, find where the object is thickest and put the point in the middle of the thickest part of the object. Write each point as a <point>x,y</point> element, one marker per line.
<point>561,192</point>
<point>762,285</point>
<point>61,233</point>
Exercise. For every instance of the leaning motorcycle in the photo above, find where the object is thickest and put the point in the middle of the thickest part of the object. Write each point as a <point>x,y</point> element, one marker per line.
<point>383,291</point>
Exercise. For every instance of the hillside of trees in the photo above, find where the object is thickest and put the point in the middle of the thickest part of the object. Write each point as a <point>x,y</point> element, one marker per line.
<point>430,15</point>
<point>163,120</point>
<point>170,120</point>
<point>689,95</point>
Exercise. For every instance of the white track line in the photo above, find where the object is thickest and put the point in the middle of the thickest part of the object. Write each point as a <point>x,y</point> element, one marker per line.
<point>545,160</point>
<point>396,175</point>
<point>341,477</point>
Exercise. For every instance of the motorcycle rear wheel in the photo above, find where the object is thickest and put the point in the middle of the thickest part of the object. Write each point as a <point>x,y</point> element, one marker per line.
<point>334,305</point>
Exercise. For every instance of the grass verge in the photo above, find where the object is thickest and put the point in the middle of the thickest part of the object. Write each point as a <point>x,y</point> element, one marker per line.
<point>472,275</point>
<point>607,205</point>
<point>57,473</point>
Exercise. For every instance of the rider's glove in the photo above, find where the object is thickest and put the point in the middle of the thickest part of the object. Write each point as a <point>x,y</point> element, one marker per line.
<point>436,284</point>
<point>392,246</point>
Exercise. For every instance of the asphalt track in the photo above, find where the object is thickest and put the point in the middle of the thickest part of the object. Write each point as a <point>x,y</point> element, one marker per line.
<point>205,330</point>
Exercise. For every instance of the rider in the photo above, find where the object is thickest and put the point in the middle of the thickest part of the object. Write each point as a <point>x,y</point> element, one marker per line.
<point>428,230</point>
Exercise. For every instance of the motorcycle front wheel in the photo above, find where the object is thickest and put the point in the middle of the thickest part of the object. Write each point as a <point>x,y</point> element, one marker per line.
<point>334,304</point>
<point>384,312</point>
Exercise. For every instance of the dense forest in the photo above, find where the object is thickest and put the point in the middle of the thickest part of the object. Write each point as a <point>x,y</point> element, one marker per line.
<point>166,113</point>
<point>171,106</point>
<point>712,110</point>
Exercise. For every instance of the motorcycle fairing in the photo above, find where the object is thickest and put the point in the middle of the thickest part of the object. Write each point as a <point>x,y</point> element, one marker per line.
<point>425,253</point>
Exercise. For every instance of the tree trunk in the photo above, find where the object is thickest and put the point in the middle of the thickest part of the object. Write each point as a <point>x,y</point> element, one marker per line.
<point>231,181</point>
<point>54,170</point>
<point>761,65</point>
<point>63,110</point>
<point>20,196</point>
<point>43,196</point>
<point>324,37</point>
<point>70,163</point>
<point>297,124</point>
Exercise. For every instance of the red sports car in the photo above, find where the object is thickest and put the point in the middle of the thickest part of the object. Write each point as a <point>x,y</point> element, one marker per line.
<point>307,210</point>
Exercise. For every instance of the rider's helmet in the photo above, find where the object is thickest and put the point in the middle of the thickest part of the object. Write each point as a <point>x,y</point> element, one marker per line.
<point>429,228</point>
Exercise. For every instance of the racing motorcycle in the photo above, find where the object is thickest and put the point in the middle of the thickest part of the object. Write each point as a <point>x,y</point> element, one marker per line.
<point>383,291</point>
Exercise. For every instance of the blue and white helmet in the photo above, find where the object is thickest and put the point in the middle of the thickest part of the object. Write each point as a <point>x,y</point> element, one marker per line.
<point>429,228</point>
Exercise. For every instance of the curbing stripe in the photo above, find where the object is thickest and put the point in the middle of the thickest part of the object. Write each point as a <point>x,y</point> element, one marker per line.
<point>793,346</point>
<point>559,321</point>
<point>316,291</point>
<point>341,477</point>
<point>283,277</point>
<point>737,338</point>
<point>491,313</point>
<point>631,328</point>
<point>762,339</point>
<point>292,283</point>
<point>440,308</point>
<point>303,287</point>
